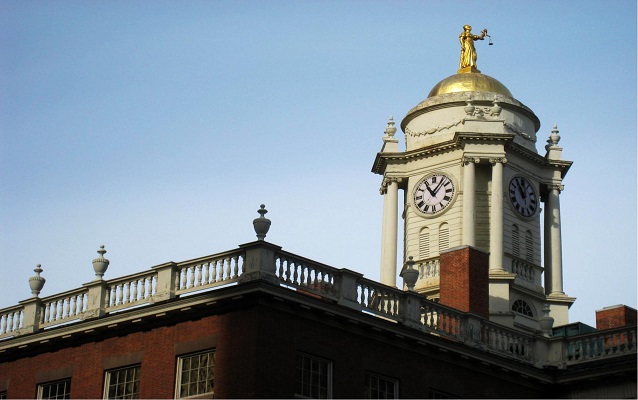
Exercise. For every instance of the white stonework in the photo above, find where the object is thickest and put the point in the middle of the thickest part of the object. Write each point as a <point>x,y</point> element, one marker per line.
<point>496,134</point>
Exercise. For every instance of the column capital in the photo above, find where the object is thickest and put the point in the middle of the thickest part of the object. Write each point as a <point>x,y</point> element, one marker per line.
<point>497,160</point>
<point>556,186</point>
<point>469,160</point>
<point>386,181</point>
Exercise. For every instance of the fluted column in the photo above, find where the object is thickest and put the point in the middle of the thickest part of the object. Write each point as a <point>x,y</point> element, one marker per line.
<point>553,246</point>
<point>496,215</point>
<point>469,203</point>
<point>390,191</point>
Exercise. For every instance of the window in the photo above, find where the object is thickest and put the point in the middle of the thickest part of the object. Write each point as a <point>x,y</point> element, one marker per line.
<point>521,307</point>
<point>55,390</point>
<point>3,395</point>
<point>529,247</point>
<point>444,237</point>
<point>122,383</point>
<point>516,249</point>
<point>195,374</point>
<point>424,243</point>
<point>378,387</point>
<point>314,377</point>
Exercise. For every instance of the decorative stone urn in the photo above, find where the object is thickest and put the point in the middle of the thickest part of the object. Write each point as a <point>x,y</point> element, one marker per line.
<point>546,322</point>
<point>261,224</point>
<point>100,264</point>
<point>469,108</point>
<point>36,282</point>
<point>409,274</point>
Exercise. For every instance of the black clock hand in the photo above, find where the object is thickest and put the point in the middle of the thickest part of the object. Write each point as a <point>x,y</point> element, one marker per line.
<point>436,190</point>
<point>429,190</point>
<point>522,192</point>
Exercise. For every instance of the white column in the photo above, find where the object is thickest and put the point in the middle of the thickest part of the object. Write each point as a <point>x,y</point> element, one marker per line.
<point>496,215</point>
<point>469,203</point>
<point>553,245</point>
<point>389,232</point>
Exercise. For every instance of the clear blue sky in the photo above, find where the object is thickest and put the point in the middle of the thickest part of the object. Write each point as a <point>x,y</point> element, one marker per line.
<point>157,128</point>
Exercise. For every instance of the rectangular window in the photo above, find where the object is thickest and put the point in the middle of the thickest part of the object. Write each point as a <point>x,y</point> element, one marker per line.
<point>378,387</point>
<point>3,395</point>
<point>314,377</point>
<point>55,390</point>
<point>195,374</point>
<point>122,383</point>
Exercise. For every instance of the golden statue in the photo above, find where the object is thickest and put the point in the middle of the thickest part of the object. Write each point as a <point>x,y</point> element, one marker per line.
<point>468,52</point>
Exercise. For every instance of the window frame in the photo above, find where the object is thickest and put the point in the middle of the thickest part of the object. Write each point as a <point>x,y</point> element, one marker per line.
<point>65,395</point>
<point>179,369</point>
<point>379,377</point>
<point>329,376</point>
<point>136,382</point>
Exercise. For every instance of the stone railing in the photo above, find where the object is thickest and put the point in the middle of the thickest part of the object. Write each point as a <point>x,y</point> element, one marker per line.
<point>264,262</point>
<point>429,268</point>
<point>599,345</point>
<point>101,297</point>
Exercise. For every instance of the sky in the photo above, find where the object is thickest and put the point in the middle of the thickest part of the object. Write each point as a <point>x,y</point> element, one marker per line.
<point>157,128</point>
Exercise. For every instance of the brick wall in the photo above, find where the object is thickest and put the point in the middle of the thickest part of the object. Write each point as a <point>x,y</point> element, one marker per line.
<point>615,317</point>
<point>464,280</point>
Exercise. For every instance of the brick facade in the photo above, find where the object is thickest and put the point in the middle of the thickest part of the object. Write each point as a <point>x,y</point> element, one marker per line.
<point>255,347</point>
<point>615,317</point>
<point>464,280</point>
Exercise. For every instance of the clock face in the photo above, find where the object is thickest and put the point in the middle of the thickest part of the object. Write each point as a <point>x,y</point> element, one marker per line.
<point>523,196</point>
<point>433,193</point>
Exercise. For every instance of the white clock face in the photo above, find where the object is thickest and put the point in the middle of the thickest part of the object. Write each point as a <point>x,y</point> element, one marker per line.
<point>523,196</point>
<point>433,193</point>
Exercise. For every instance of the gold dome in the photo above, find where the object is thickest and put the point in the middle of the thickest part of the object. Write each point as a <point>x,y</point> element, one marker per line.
<point>469,82</point>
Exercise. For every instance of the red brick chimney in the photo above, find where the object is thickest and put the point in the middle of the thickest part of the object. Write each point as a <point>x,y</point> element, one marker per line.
<point>464,280</point>
<point>615,317</point>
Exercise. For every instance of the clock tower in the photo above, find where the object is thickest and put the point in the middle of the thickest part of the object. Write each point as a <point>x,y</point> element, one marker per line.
<point>471,177</point>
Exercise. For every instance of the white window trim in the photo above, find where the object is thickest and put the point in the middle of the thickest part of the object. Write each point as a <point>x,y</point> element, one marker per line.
<point>107,376</point>
<point>42,385</point>
<point>329,363</point>
<point>178,377</point>
<point>386,378</point>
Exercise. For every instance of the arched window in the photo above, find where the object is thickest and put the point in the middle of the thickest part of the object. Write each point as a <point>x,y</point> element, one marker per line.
<point>521,307</point>
<point>424,243</point>
<point>516,247</point>
<point>444,237</point>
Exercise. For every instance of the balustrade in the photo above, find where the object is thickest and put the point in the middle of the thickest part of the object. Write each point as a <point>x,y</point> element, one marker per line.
<point>64,307</point>
<point>208,272</point>
<point>306,274</point>
<point>440,319</point>
<point>599,345</point>
<point>130,290</point>
<point>260,260</point>
<point>379,299</point>
<point>429,268</point>
<point>11,321</point>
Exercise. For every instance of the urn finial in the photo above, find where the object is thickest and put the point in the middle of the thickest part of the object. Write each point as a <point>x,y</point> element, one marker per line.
<point>261,224</point>
<point>546,322</point>
<point>100,264</point>
<point>390,129</point>
<point>36,282</point>
<point>409,274</point>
